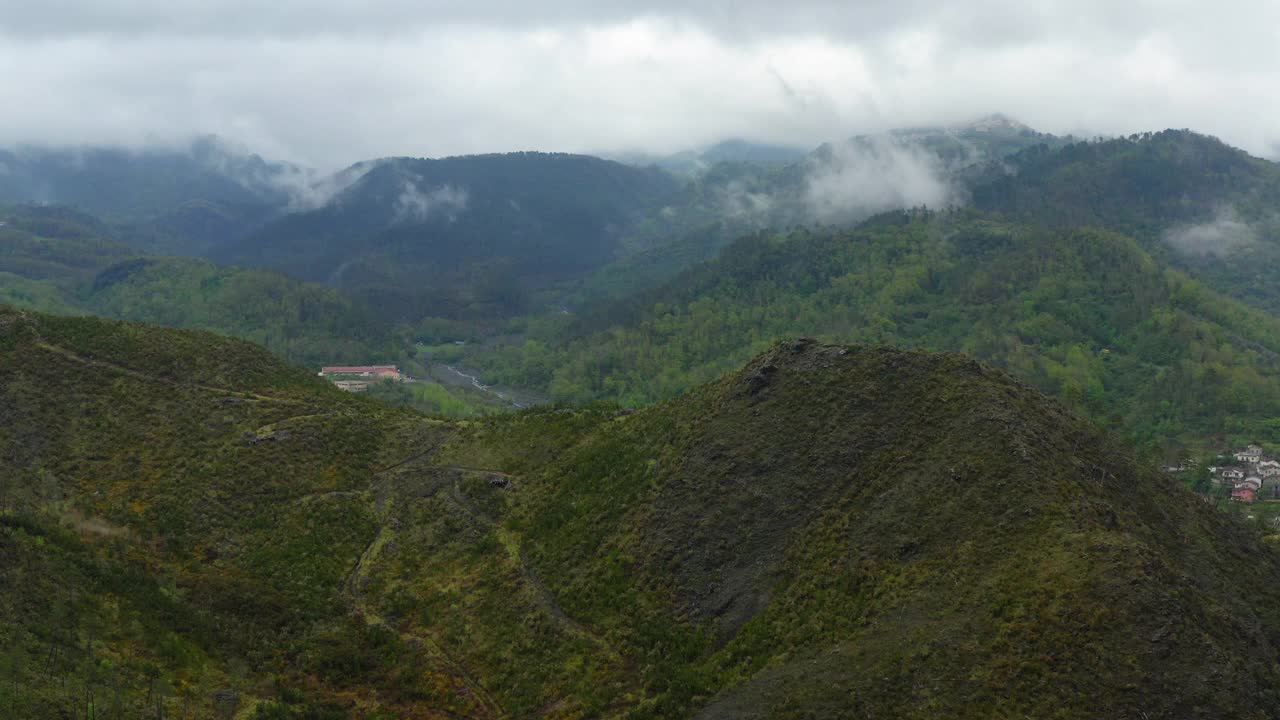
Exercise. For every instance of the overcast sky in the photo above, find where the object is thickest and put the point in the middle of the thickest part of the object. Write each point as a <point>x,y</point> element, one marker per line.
<point>328,82</point>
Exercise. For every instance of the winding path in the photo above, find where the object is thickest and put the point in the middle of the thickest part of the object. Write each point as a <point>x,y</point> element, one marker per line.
<point>516,556</point>
<point>147,377</point>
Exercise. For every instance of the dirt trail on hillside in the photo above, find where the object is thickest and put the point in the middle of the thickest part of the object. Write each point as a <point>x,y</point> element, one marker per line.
<point>350,589</point>
<point>147,377</point>
<point>451,491</point>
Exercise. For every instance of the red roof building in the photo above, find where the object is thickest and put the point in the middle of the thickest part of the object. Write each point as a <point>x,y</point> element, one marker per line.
<point>379,371</point>
<point>1244,494</point>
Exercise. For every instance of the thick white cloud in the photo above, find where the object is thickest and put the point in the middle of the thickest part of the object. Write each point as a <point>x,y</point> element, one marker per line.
<point>331,82</point>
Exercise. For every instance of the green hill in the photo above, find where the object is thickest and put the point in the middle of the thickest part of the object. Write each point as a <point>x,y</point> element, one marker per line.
<point>1141,185</point>
<point>191,528</point>
<point>839,183</point>
<point>56,259</point>
<point>464,236</point>
<point>303,322</point>
<point>47,252</point>
<point>163,200</point>
<point>1207,207</point>
<point>55,244</point>
<point>1088,315</point>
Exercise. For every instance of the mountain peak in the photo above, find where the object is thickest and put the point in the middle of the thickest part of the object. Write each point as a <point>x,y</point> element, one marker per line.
<point>995,122</point>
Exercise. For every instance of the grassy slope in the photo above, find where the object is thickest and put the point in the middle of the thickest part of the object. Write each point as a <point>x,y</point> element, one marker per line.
<point>198,554</point>
<point>828,532</point>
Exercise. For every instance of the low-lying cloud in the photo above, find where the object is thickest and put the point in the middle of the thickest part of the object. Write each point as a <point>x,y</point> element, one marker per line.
<point>329,83</point>
<point>1224,234</point>
<point>414,205</point>
<point>869,175</point>
<point>309,189</point>
<point>303,188</point>
<point>739,203</point>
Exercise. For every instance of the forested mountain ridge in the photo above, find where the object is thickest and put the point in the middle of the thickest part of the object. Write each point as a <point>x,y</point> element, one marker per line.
<point>1088,315</point>
<point>1210,208</point>
<point>47,252</point>
<point>460,235</point>
<point>182,200</point>
<point>60,260</point>
<point>189,526</point>
<point>1140,185</point>
<point>302,322</point>
<point>691,163</point>
<point>838,183</point>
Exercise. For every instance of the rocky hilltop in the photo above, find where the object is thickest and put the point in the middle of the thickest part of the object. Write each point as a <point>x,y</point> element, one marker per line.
<point>189,524</point>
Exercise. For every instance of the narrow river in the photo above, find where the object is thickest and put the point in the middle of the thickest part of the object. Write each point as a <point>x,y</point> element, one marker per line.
<point>518,399</point>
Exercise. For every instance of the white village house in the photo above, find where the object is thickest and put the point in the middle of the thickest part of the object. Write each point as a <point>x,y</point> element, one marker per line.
<point>1250,454</point>
<point>1253,481</point>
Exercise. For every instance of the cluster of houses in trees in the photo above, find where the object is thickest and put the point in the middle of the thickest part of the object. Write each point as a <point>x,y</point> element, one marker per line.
<point>1254,475</point>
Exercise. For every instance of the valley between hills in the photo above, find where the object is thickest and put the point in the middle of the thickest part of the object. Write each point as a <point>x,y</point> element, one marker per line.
<point>716,435</point>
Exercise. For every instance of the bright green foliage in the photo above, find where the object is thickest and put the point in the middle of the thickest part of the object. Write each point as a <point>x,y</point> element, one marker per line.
<point>57,260</point>
<point>433,399</point>
<point>304,322</point>
<point>1085,314</point>
<point>1205,206</point>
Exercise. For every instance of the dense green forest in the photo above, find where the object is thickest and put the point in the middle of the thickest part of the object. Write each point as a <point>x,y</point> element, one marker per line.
<point>1088,315</point>
<point>55,244</point>
<point>1140,185</point>
<point>180,200</point>
<point>191,528</point>
<point>839,182</point>
<point>465,237</point>
<point>1201,204</point>
<point>56,259</point>
<point>306,323</point>
<point>594,280</point>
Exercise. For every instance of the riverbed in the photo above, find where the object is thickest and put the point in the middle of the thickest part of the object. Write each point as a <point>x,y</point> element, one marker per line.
<point>513,397</point>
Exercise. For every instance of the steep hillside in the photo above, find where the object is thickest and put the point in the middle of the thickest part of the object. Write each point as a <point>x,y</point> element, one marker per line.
<point>1209,208</point>
<point>303,322</point>
<point>839,183</point>
<point>461,235</point>
<point>162,200</point>
<point>1085,314</point>
<point>55,243</point>
<point>1142,185</point>
<point>55,259</point>
<point>141,522</point>
<point>191,528</point>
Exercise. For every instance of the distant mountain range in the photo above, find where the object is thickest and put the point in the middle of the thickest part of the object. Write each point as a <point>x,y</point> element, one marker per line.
<point>690,163</point>
<point>60,260</point>
<point>957,515</point>
<point>462,236</point>
<point>482,240</point>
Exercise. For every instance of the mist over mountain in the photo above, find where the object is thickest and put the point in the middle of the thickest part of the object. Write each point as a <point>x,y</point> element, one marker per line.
<point>690,163</point>
<point>639,361</point>
<point>458,235</point>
